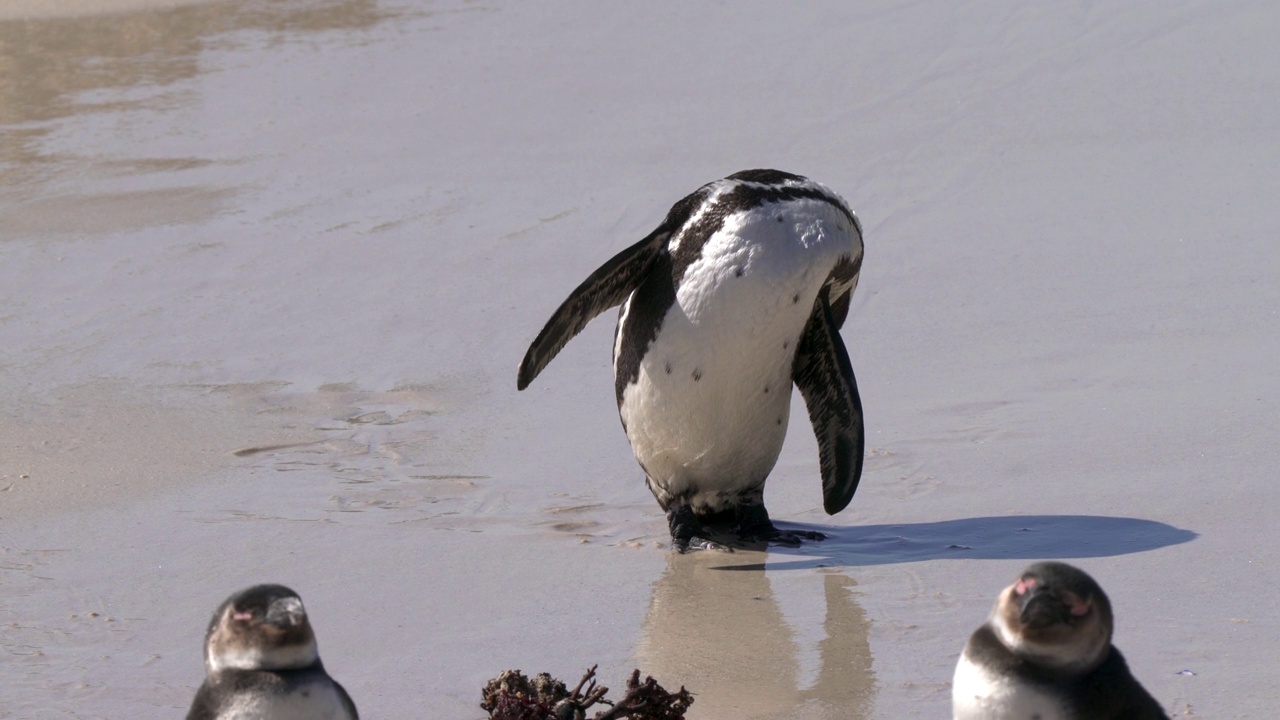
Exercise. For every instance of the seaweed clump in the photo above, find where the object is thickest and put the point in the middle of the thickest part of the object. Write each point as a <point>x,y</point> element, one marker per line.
<point>513,696</point>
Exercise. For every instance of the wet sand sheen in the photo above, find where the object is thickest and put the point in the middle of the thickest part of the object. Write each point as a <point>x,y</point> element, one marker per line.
<point>60,61</point>
<point>44,9</point>
<point>714,625</point>
<point>266,271</point>
<point>109,443</point>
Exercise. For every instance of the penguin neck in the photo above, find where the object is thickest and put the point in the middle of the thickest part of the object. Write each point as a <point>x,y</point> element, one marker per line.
<point>290,657</point>
<point>1056,660</point>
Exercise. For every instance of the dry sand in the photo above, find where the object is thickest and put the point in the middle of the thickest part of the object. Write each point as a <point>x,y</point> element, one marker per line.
<point>266,271</point>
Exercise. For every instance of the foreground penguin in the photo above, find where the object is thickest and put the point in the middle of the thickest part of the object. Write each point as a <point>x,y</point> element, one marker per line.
<point>262,662</point>
<point>740,292</point>
<point>1046,653</point>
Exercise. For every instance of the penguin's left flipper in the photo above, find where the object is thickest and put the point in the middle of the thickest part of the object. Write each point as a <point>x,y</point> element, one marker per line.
<point>825,378</point>
<point>1115,694</point>
<point>607,287</point>
<point>204,706</point>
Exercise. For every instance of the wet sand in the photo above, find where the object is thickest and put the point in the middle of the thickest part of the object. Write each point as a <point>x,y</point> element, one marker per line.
<point>266,272</point>
<point>54,9</point>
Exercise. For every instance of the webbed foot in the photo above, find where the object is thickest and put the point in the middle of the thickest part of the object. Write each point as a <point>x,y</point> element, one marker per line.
<point>689,534</point>
<point>698,543</point>
<point>754,526</point>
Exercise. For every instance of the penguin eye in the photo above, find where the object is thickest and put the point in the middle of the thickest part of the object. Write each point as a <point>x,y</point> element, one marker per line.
<point>1078,606</point>
<point>242,615</point>
<point>1024,586</point>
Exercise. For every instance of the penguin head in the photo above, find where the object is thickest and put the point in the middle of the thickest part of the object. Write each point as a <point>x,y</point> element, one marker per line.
<point>264,627</point>
<point>1056,617</point>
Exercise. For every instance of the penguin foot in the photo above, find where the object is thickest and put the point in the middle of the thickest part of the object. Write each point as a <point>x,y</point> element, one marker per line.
<point>755,527</point>
<point>698,543</point>
<point>688,532</point>
<point>795,538</point>
<point>774,536</point>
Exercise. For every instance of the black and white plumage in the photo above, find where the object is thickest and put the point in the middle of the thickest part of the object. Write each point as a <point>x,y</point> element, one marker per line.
<point>1046,653</point>
<point>739,293</point>
<point>261,661</point>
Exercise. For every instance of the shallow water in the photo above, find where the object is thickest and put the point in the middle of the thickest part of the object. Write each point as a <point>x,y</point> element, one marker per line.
<point>266,273</point>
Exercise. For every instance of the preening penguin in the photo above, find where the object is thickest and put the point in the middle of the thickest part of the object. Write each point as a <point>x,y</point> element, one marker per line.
<point>739,293</point>
<point>261,661</point>
<point>1046,653</point>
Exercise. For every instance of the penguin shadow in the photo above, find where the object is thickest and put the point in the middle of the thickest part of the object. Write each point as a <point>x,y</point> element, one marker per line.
<point>724,636</point>
<point>1025,537</point>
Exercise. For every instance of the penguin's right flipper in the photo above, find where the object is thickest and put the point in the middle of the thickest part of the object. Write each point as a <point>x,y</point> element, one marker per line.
<point>607,287</point>
<point>825,377</point>
<point>347,703</point>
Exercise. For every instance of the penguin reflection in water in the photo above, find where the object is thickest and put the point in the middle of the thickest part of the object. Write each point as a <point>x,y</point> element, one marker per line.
<point>739,293</point>
<point>262,662</point>
<point>1046,654</point>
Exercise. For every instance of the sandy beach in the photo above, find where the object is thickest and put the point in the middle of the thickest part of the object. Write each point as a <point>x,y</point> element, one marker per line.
<point>267,271</point>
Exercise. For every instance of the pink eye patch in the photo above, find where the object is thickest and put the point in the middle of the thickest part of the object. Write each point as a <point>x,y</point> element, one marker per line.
<point>1078,607</point>
<point>1024,585</point>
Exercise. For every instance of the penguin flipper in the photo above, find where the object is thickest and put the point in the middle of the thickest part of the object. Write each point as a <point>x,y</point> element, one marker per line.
<point>607,287</point>
<point>204,706</point>
<point>1113,693</point>
<point>347,703</point>
<point>825,378</point>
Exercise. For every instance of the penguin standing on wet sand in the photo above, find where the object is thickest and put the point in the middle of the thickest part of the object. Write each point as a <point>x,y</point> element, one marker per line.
<point>1046,654</point>
<point>738,294</point>
<point>262,662</point>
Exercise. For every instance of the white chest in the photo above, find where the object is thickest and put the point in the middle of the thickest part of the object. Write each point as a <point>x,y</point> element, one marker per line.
<point>316,702</point>
<point>710,406</point>
<point>977,694</point>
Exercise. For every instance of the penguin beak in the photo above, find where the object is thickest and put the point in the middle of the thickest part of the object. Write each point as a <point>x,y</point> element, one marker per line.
<point>1041,608</point>
<point>285,612</point>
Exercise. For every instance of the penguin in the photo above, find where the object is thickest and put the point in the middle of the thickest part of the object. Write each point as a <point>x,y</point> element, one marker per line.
<point>738,294</point>
<point>261,661</point>
<point>1046,653</point>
